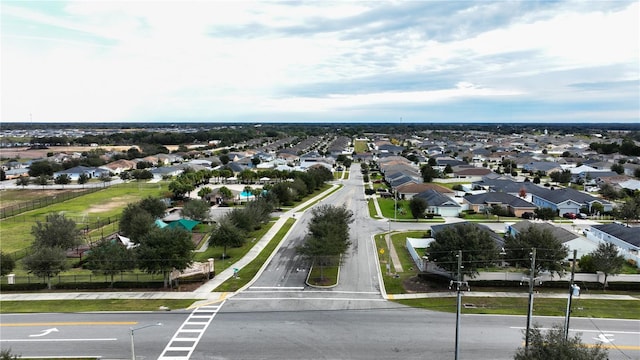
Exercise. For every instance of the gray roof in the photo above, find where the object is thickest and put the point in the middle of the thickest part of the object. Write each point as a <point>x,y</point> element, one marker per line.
<point>558,196</point>
<point>506,185</point>
<point>559,233</point>
<point>499,197</point>
<point>435,198</point>
<point>497,238</point>
<point>624,233</point>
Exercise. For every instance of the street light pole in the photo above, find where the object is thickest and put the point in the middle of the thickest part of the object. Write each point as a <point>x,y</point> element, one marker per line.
<point>532,279</point>
<point>131,331</point>
<point>458,301</point>
<point>571,287</point>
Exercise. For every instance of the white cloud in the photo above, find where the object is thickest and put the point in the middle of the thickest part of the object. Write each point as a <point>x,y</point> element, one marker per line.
<point>122,61</point>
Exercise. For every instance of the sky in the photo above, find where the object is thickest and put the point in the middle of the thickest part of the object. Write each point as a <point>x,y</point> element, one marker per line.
<point>320,61</point>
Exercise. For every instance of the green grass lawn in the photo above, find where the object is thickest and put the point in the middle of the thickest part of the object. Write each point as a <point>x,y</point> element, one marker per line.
<point>618,309</point>
<point>67,306</point>
<point>372,208</point>
<point>324,275</point>
<point>108,203</point>
<point>360,146</point>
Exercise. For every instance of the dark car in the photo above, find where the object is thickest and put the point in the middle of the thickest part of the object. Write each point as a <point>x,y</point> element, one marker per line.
<point>527,215</point>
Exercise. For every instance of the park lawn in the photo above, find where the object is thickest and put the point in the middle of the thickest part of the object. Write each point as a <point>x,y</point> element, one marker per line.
<point>250,270</point>
<point>616,309</point>
<point>108,203</point>
<point>69,306</point>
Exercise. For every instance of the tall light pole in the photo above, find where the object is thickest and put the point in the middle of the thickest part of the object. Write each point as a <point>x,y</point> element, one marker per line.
<point>459,283</point>
<point>532,279</point>
<point>131,331</point>
<point>571,290</point>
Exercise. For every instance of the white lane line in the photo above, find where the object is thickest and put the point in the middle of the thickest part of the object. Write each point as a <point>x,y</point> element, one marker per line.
<point>304,299</point>
<point>170,350</point>
<point>587,331</point>
<point>67,340</point>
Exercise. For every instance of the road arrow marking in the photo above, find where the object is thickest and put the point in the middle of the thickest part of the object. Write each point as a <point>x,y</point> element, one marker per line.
<point>45,332</point>
<point>605,338</point>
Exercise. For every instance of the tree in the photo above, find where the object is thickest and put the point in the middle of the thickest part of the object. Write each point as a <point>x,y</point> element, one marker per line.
<point>83,179</point>
<point>5,354</point>
<point>62,179</point>
<point>545,213</point>
<point>42,167</point>
<point>448,169</point>
<point>328,236</point>
<point>227,234</point>
<point>617,168</point>
<point>204,192</point>
<point>225,193</point>
<point>56,231</point>
<point>105,177</point>
<point>43,179</point>
<point>110,258</point>
<point>7,264</point>
<point>154,206</point>
<point>135,222</point>
<point>180,187</point>
<point>552,345</point>
<point>46,262</point>
<point>418,207</point>
<point>606,258</point>
<point>428,173</point>
<point>143,174</point>
<point>549,251</point>
<point>22,181</point>
<point>164,250</point>
<point>478,248</point>
<point>196,210</point>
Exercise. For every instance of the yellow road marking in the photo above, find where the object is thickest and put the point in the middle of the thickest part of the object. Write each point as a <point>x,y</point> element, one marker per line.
<point>72,323</point>
<point>219,299</point>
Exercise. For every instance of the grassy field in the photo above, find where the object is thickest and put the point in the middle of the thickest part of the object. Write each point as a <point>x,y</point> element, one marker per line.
<point>108,203</point>
<point>615,309</point>
<point>360,146</point>
<point>67,306</point>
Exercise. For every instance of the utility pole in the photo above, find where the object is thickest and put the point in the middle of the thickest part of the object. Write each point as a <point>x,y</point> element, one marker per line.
<point>571,289</point>
<point>458,301</point>
<point>532,279</point>
<point>459,284</point>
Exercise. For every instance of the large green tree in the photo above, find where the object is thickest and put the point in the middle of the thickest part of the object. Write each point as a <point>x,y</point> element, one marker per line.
<point>46,262</point>
<point>110,258</point>
<point>56,231</point>
<point>607,259</point>
<point>328,236</point>
<point>7,264</point>
<point>196,210</point>
<point>418,207</point>
<point>553,345</point>
<point>135,222</point>
<point>550,252</point>
<point>478,248</point>
<point>227,234</point>
<point>161,251</point>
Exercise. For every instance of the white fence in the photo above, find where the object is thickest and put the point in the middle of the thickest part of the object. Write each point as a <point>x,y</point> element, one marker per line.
<point>423,263</point>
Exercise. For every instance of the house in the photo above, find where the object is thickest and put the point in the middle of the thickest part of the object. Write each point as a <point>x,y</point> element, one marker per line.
<point>626,238</point>
<point>571,240</point>
<point>542,167</point>
<point>499,240</point>
<point>438,203</point>
<point>482,203</point>
<point>74,173</point>
<point>16,173</point>
<point>408,190</point>
<point>567,200</point>
<point>119,166</point>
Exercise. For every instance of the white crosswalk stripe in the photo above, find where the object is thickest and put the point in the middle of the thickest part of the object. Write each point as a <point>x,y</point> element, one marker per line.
<point>186,338</point>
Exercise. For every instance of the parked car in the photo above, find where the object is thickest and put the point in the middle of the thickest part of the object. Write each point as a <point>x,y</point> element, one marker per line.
<point>583,216</point>
<point>569,215</point>
<point>528,215</point>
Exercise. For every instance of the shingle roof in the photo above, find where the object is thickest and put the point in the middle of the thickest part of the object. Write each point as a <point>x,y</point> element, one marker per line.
<point>498,197</point>
<point>435,198</point>
<point>559,233</point>
<point>624,233</point>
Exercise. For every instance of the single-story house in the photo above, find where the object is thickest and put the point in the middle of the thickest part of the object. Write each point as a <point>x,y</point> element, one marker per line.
<point>571,240</point>
<point>438,203</point>
<point>481,203</point>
